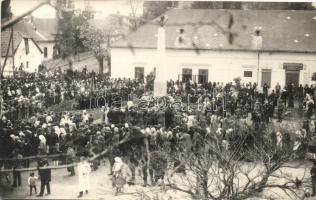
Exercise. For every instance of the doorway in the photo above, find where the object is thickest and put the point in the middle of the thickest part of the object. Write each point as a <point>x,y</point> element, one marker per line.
<point>292,73</point>
<point>292,76</point>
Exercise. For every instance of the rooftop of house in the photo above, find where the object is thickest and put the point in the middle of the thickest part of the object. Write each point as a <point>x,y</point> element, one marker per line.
<point>47,28</point>
<point>281,30</point>
<point>21,30</point>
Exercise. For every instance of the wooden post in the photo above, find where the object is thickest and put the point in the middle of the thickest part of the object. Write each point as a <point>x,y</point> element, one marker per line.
<point>12,48</point>
<point>1,95</point>
<point>148,158</point>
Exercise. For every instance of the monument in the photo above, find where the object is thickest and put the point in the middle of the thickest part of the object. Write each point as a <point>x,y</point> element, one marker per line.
<point>160,83</point>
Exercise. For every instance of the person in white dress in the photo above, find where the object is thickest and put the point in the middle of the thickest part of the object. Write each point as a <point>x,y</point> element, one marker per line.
<point>84,171</point>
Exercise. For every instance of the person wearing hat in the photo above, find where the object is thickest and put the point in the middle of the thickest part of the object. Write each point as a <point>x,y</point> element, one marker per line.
<point>17,165</point>
<point>45,177</point>
<point>84,171</point>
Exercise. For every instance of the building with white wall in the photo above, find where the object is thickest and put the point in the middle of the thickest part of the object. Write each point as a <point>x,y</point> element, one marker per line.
<point>25,54</point>
<point>262,46</point>
<point>46,30</point>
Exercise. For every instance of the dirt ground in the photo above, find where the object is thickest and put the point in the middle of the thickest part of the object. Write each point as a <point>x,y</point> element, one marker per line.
<point>64,186</point>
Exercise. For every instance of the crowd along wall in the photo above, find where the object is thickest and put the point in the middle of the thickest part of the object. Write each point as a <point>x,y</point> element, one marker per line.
<point>222,66</point>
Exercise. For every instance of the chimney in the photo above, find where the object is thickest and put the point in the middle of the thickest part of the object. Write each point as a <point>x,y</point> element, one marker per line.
<point>257,38</point>
<point>32,22</point>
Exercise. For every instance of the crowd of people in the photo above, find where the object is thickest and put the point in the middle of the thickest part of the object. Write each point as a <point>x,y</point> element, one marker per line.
<point>25,96</point>
<point>29,128</point>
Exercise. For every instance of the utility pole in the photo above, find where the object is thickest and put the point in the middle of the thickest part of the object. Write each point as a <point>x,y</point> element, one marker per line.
<point>1,104</point>
<point>258,46</point>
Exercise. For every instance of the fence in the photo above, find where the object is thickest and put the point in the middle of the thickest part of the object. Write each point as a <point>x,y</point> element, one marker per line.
<point>9,169</point>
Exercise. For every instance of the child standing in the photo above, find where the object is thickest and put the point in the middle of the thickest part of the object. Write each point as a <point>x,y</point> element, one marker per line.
<point>32,183</point>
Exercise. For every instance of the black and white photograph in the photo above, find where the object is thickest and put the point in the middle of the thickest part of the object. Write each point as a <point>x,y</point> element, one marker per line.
<point>158,100</point>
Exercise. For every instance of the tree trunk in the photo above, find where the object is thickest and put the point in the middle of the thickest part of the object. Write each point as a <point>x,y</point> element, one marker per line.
<point>205,184</point>
<point>148,158</point>
<point>101,66</point>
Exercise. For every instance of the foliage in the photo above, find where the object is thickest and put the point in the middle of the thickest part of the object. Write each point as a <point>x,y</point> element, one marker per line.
<point>133,20</point>
<point>97,36</point>
<point>69,23</point>
<point>153,9</point>
<point>95,39</point>
<point>237,163</point>
<point>6,13</point>
<point>253,5</point>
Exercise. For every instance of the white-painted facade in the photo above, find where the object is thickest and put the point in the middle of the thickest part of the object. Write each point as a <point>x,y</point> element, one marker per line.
<point>49,45</point>
<point>223,66</point>
<point>30,61</point>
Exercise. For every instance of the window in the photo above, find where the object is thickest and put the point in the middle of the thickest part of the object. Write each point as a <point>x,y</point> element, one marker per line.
<point>45,52</point>
<point>186,74</point>
<point>203,76</point>
<point>139,73</point>
<point>27,47</point>
<point>314,76</point>
<point>266,77</point>
<point>247,73</point>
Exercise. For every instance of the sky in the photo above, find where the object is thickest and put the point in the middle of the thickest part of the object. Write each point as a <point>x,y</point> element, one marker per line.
<point>102,8</point>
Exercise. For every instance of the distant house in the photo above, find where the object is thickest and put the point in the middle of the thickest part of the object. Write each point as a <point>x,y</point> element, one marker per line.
<point>26,54</point>
<point>262,46</point>
<point>46,30</point>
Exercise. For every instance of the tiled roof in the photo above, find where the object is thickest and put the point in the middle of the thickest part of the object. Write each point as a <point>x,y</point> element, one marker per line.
<point>47,28</point>
<point>281,30</point>
<point>21,30</point>
<point>5,37</point>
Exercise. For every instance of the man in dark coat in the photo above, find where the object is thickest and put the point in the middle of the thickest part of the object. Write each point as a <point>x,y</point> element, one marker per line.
<point>45,176</point>
<point>169,118</point>
<point>290,90</point>
<point>16,173</point>
<point>313,177</point>
<point>281,109</point>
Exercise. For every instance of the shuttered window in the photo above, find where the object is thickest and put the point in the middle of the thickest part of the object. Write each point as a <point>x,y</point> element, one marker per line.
<point>27,47</point>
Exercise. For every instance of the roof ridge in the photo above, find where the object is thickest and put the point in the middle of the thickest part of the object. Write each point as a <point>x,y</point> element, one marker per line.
<point>241,10</point>
<point>287,32</point>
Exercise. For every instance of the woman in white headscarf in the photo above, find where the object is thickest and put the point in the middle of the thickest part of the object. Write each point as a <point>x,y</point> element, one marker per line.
<point>42,145</point>
<point>85,116</point>
<point>121,174</point>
